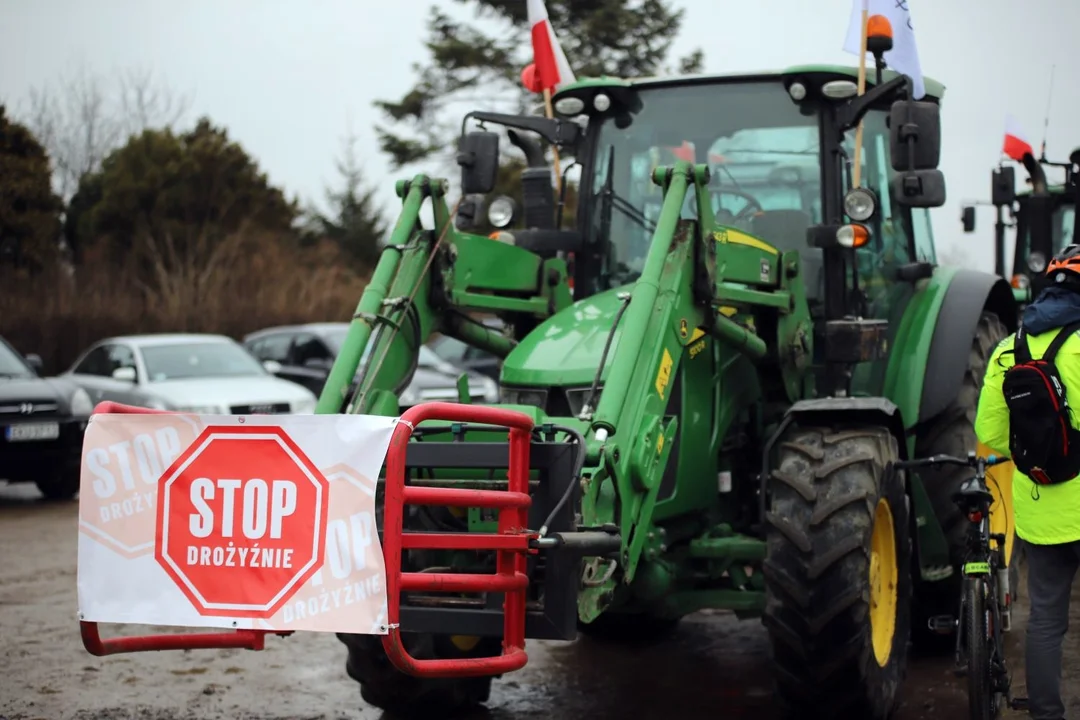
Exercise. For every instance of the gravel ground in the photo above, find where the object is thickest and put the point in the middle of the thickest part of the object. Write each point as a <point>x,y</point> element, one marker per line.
<point>713,663</point>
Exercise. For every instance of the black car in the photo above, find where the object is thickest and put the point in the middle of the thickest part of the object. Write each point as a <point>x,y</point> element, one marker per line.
<point>305,354</point>
<point>42,423</point>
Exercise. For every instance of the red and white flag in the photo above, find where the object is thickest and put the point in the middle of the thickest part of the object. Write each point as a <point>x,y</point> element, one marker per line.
<point>552,69</point>
<point>1016,142</point>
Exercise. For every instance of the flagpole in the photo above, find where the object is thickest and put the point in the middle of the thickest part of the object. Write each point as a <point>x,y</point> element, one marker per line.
<point>550,113</point>
<point>856,173</point>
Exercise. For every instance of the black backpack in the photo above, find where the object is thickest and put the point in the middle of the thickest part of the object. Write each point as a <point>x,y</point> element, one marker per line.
<point>1042,440</point>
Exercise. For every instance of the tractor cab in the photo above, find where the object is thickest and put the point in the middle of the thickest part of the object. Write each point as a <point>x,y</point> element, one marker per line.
<point>1043,217</point>
<point>779,149</point>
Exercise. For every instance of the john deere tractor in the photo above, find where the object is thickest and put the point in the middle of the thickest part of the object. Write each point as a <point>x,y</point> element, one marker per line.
<point>1043,216</point>
<point>706,381</point>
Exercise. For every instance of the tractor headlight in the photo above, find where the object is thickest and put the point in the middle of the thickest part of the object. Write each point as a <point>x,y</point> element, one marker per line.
<point>601,102</point>
<point>81,404</point>
<point>1036,262</point>
<point>501,212</point>
<point>860,204</point>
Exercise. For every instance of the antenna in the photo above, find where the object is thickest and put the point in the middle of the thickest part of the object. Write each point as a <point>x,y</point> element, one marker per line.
<point>1046,119</point>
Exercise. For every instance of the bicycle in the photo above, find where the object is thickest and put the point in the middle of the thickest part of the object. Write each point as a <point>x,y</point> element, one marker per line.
<point>986,598</point>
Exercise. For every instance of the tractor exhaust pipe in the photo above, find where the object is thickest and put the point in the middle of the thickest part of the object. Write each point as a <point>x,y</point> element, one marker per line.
<point>1035,172</point>
<point>536,186</point>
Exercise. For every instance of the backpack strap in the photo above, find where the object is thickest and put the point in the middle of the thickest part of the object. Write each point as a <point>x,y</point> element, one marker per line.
<point>1063,335</point>
<point>1021,351</point>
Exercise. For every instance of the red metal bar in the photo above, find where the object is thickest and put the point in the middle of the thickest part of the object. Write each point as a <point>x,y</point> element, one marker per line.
<point>91,637</point>
<point>464,541</point>
<point>510,544</point>
<point>243,639</point>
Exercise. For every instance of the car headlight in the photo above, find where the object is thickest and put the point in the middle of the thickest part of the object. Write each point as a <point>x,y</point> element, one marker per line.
<point>305,406</point>
<point>197,409</point>
<point>491,391</point>
<point>81,404</point>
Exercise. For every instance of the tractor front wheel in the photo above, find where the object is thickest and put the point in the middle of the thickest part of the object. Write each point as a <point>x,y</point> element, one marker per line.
<point>837,579</point>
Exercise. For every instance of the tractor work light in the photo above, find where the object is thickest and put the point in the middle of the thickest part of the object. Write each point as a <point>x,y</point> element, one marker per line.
<point>501,212</point>
<point>839,89</point>
<point>853,236</point>
<point>1036,262</point>
<point>601,102</point>
<point>569,106</point>
<point>860,203</point>
<point>797,91</point>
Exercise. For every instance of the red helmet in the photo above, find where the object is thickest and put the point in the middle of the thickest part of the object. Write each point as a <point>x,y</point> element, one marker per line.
<point>1065,267</point>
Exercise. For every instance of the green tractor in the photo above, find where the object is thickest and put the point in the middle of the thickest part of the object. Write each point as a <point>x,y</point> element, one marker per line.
<point>705,383</point>
<point>1044,217</point>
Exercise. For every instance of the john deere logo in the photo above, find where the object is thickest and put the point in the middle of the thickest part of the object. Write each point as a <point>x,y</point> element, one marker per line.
<point>683,329</point>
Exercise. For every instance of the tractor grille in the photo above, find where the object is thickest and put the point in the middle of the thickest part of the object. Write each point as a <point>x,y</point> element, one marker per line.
<point>25,409</point>
<point>261,409</point>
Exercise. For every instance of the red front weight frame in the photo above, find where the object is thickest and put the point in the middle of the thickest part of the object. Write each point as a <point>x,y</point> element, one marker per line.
<point>91,638</point>
<point>511,543</point>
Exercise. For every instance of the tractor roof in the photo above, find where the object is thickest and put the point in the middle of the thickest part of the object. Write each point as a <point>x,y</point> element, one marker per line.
<point>933,88</point>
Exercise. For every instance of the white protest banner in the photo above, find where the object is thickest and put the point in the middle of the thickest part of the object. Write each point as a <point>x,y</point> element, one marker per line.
<point>251,522</point>
<point>904,56</point>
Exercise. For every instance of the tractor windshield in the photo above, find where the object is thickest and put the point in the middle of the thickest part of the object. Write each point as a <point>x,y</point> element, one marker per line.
<point>1061,234</point>
<point>763,151</point>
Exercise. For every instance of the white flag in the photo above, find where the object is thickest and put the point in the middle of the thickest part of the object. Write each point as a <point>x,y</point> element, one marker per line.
<point>904,56</point>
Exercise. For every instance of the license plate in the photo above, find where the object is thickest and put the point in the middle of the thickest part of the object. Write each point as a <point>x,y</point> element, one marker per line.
<point>32,431</point>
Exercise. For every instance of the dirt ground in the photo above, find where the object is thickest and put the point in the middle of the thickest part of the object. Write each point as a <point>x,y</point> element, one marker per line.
<point>715,666</point>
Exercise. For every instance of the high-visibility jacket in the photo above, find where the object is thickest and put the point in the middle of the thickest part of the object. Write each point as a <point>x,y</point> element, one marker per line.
<point>1044,514</point>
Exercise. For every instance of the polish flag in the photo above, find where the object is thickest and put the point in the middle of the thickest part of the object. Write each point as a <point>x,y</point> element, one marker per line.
<point>552,69</point>
<point>1016,142</point>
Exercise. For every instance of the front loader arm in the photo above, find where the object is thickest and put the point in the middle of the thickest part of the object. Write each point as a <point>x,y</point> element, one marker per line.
<point>630,440</point>
<point>426,282</point>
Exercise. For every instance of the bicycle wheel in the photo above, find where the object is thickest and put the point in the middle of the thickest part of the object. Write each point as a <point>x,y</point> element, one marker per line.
<point>977,647</point>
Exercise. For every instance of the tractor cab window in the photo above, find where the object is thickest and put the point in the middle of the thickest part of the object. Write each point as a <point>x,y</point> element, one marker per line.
<point>763,152</point>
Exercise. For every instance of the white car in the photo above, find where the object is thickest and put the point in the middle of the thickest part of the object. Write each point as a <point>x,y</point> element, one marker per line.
<point>199,373</point>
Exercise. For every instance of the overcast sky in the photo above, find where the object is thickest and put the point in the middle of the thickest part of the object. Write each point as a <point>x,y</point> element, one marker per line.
<point>286,77</point>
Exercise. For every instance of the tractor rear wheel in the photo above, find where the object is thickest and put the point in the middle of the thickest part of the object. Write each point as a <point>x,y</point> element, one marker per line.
<point>837,578</point>
<point>954,434</point>
<point>387,688</point>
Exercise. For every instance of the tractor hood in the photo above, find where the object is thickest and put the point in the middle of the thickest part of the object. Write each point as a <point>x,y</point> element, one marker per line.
<point>565,350</point>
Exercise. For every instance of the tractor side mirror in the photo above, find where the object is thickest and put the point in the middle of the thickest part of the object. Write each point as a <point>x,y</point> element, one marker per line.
<point>478,156</point>
<point>967,217</point>
<point>919,188</point>
<point>1003,186</point>
<point>915,135</point>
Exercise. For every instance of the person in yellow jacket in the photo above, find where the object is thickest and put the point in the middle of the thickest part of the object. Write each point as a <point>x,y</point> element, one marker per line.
<point>1047,516</point>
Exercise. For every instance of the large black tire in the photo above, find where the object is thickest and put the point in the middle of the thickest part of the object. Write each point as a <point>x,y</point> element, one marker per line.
<point>404,696</point>
<point>60,485</point>
<point>953,433</point>
<point>829,494</point>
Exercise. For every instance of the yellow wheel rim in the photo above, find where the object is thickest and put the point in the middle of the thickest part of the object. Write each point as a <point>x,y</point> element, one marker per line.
<point>465,643</point>
<point>883,579</point>
<point>999,480</point>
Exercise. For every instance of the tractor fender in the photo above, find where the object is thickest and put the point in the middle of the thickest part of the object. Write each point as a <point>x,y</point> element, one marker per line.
<point>968,295</point>
<point>868,410</point>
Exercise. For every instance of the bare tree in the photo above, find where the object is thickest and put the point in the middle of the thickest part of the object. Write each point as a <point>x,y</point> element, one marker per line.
<point>83,117</point>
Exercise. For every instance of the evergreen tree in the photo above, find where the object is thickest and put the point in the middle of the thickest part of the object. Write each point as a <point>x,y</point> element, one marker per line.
<point>355,222</point>
<point>29,209</point>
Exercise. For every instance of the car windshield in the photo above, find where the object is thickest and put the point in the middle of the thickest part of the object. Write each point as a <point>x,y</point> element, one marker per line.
<point>11,365</point>
<point>198,360</point>
<point>335,338</point>
<point>763,151</point>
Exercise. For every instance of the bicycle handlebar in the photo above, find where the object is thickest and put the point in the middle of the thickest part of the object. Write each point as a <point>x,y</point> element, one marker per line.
<point>971,461</point>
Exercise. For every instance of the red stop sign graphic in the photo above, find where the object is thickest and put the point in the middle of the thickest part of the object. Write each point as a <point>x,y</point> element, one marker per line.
<point>240,521</point>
